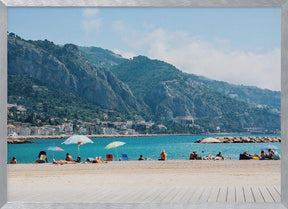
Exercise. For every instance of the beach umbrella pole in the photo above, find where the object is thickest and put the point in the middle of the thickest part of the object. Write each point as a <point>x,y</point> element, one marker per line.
<point>116,153</point>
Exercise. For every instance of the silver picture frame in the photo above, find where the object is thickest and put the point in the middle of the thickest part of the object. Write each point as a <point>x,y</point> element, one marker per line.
<point>4,4</point>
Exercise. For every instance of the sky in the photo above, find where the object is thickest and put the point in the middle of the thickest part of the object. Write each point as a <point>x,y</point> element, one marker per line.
<point>237,45</point>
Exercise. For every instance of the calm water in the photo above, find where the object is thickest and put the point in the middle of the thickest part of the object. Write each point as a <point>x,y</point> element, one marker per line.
<point>177,147</point>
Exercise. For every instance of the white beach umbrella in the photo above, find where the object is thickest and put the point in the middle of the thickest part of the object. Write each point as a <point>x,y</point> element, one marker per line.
<point>210,140</point>
<point>115,144</point>
<point>79,140</point>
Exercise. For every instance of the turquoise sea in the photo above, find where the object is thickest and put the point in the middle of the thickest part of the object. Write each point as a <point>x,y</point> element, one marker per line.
<point>177,148</point>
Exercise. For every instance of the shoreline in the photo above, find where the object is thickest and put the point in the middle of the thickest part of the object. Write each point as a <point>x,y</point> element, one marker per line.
<point>243,138</point>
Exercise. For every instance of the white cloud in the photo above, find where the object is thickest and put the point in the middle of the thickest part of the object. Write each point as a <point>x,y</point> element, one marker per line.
<point>90,12</point>
<point>118,26</point>
<point>91,25</point>
<point>215,60</point>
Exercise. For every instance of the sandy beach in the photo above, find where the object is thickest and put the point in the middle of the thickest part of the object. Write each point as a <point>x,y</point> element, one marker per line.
<point>90,182</point>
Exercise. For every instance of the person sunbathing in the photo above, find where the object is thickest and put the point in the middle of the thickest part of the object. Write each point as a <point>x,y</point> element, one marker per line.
<point>61,162</point>
<point>101,159</point>
<point>263,156</point>
<point>219,156</point>
<point>209,157</point>
<point>98,160</point>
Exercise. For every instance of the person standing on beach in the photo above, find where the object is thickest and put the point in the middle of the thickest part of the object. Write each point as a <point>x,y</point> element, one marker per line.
<point>163,155</point>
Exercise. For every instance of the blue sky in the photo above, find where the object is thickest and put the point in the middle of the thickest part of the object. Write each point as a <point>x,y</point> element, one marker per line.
<point>238,45</point>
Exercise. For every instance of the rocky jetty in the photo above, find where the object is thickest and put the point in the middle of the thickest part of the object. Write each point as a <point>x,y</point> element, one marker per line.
<point>246,139</point>
<point>18,141</point>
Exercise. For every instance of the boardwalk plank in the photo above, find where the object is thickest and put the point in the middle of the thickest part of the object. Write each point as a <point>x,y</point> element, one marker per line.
<point>126,195</point>
<point>278,189</point>
<point>112,195</point>
<point>163,195</point>
<point>231,194</point>
<point>239,194</point>
<point>248,194</point>
<point>170,193</point>
<point>275,195</point>
<point>104,195</point>
<point>266,195</point>
<point>156,194</point>
<point>205,194</point>
<point>222,197</point>
<point>214,194</point>
<point>257,194</point>
<point>179,196</point>
<point>188,194</point>
<point>148,195</point>
<point>91,196</point>
<point>197,194</point>
<point>139,193</point>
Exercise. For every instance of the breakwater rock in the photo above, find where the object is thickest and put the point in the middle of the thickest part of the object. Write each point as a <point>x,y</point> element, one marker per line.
<point>246,139</point>
<point>18,141</point>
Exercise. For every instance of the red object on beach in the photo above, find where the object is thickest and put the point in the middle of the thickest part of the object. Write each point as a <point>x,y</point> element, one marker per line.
<point>109,157</point>
<point>79,143</point>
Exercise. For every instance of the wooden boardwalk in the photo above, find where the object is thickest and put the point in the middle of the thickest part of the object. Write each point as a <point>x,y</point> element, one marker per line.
<point>147,182</point>
<point>159,195</point>
<point>189,194</point>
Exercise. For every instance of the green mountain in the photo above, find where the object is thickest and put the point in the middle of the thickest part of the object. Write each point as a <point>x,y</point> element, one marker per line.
<point>72,82</point>
<point>47,106</point>
<point>250,94</point>
<point>102,58</point>
<point>67,69</point>
<point>171,93</point>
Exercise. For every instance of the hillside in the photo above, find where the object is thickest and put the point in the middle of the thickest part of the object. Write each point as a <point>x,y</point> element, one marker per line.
<point>250,94</point>
<point>101,57</point>
<point>65,68</point>
<point>72,82</point>
<point>171,93</point>
<point>47,106</point>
